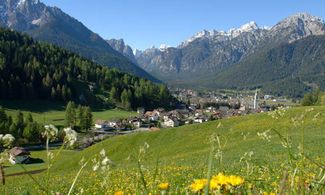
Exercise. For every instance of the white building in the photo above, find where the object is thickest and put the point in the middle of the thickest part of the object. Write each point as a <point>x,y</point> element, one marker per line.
<point>171,123</point>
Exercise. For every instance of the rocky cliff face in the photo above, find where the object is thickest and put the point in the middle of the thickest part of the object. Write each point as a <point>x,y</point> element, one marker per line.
<point>120,46</point>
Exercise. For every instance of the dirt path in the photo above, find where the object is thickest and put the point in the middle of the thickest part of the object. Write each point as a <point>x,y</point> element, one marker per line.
<point>25,173</point>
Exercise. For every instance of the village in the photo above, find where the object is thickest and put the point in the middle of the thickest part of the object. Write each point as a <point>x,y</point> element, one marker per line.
<point>194,108</point>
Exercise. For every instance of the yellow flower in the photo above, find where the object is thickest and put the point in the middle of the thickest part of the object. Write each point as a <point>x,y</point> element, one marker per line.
<point>235,180</point>
<point>267,193</point>
<point>220,179</point>
<point>274,184</point>
<point>214,185</point>
<point>163,186</point>
<point>119,193</point>
<point>198,185</point>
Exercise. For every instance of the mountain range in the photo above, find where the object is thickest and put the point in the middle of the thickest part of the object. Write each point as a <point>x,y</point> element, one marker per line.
<point>52,25</point>
<point>223,59</point>
<point>289,53</point>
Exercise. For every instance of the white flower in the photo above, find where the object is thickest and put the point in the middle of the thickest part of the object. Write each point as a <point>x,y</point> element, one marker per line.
<point>95,167</point>
<point>50,132</point>
<point>265,135</point>
<point>70,136</point>
<point>278,113</point>
<point>102,153</point>
<point>105,161</point>
<point>7,140</point>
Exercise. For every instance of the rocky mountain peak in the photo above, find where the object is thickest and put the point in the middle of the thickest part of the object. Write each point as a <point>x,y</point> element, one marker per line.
<point>249,27</point>
<point>164,47</point>
<point>231,33</point>
<point>22,2</point>
<point>298,26</point>
<point>306,17</point>
<point>120,46</point>
<point>212,50</point>
<point>301,19</point>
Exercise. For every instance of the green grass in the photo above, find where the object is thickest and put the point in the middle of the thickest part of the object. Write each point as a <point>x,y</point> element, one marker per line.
<point>186,144</point>
<point>48,112</point>
<point>65,155</point>
<point>189,146</point>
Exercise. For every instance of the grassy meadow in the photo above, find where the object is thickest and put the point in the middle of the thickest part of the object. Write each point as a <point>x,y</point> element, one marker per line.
<point>47,112</point>
<point>282,153</point>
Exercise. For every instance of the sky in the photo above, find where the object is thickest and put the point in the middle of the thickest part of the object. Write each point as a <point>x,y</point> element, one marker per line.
<point>146,23</point>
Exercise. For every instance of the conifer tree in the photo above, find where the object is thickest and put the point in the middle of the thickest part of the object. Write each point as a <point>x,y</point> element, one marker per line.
<point>70,114</point>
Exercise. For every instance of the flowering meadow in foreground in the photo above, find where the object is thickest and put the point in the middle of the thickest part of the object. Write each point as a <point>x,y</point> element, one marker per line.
<point>217,171</point>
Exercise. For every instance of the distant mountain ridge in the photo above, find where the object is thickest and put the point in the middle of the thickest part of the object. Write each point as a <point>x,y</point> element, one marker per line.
<point>210,52</point>
<point>120,46</point>
<point>52,25</point>
<point>289,69</point>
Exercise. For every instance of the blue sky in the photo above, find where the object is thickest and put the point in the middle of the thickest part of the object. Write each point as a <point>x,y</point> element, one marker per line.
<point>144,23</point>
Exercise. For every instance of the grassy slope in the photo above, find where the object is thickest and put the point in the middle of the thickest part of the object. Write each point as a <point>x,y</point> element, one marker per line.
<point>189,145</point>
<point>54,113</point>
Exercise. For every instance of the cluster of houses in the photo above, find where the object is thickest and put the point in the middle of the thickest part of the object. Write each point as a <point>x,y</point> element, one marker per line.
<point>160,118</point>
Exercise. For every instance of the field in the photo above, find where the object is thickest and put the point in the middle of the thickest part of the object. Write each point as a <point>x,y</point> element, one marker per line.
<point>54,113</point>
<point>268,154</point>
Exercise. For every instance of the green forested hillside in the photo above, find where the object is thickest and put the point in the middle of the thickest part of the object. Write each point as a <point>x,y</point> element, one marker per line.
<point>288,69</point>
<point>74,36</point>
<point>33,70</point>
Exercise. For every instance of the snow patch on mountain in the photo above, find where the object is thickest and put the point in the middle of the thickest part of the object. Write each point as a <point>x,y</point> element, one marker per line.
<point>164,47</point>
<point>249,27</point>
<point>37,21</point>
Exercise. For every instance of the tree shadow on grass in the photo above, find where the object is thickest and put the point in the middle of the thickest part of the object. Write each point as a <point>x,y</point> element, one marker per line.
<point>34,161</point>
<point>32,105</point>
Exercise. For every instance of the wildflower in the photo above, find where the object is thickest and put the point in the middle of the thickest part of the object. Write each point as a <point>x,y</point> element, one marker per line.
<point>235,180</point>
<point>309,109</point>
<point>70,136</point>
<point>95,167</point>
<point>163,186</point>
<point>268,193</point>
<point>274,184</point>
<point>316,116</point>
<point>144,148</point>
<point>102,153</point>
<point>278,113</point>
<point>7,140</point>
<point>101,162</point>
<point>220,179</point>
<point>105,161</point>
<point>214,184</point>
<point>50,132</point>
<point>198,184</point>
<point>265,135</point>
<point>119,193</point>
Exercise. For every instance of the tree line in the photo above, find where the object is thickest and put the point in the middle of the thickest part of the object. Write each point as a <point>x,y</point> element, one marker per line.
<point>78,117</point>
<point>36,70</point>
<point>28,131</point>
<point>315,97</point>
<point>23,128</point>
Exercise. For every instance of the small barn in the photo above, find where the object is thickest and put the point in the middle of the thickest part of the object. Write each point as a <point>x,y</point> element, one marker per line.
<point>18,155</point>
